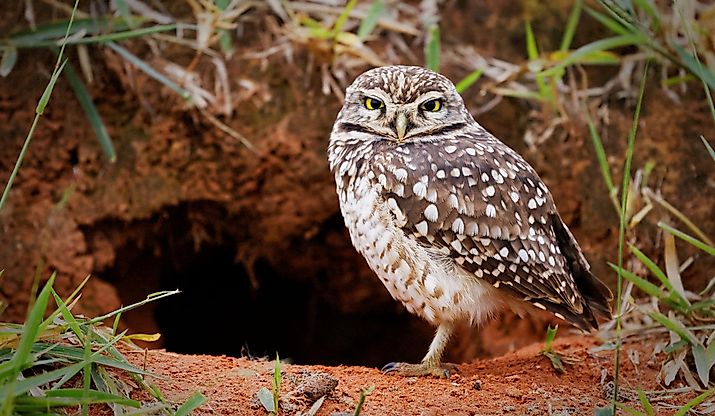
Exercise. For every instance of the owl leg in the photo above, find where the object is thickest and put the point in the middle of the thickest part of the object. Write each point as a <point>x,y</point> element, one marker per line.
<point>432,363</point>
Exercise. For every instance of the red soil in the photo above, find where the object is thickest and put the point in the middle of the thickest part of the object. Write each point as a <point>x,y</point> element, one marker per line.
<point>521,383</point>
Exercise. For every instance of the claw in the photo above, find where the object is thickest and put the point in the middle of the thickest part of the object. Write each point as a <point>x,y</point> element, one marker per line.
<point>441,370</point>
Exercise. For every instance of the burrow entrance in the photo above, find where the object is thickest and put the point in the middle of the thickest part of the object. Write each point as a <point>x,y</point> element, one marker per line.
<point>224,309</point>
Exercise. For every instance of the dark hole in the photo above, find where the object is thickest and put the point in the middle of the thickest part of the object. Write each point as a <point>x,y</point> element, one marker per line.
<point>220,312</point>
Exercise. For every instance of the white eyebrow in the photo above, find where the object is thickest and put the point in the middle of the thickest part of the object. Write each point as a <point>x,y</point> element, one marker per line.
<point>377,93</point>
<point>428,96</point>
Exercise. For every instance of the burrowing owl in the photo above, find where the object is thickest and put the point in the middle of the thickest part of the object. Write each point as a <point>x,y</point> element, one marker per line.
<point>455,223</point>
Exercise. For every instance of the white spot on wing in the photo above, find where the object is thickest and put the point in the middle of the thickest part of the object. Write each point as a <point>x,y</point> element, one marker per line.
<point>431,212</point>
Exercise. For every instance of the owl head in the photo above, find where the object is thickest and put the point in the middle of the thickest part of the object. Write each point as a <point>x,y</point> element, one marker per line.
<point>402,104</point>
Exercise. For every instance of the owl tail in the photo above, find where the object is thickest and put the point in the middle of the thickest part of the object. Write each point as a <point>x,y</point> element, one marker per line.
<point>597,296</point>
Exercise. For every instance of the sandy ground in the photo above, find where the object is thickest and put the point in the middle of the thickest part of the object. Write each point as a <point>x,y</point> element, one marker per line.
<point>519,383</point>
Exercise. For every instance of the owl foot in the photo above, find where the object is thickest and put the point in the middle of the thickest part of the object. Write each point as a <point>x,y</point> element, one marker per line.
<point>441,370</point>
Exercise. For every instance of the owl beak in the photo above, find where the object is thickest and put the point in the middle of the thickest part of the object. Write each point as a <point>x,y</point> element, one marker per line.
<point>401,126</point>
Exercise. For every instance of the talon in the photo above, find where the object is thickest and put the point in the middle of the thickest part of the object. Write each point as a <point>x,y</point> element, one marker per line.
<point>389,368</point>
<point>422,369</point>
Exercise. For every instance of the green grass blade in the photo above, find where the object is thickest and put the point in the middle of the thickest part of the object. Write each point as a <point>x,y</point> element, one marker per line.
<point>685,237</point>
<point>650,264</point>
<point>611,24</point>
<point>67,315</point>
<point>685,410</point>
<point>29,383</point>
<point>150,298</point>
<point>30,329</point>
<point>675,327</point>
<point>571,24</point>
<point>707,146</point>
<point>600,154</point>
<point>147,69</point>
<point>599,45</point>
<point>700,67</point>
<point>432,48</point>
<point>124,12</point>
<point>51,32</point>
<point>103,38</point>
<point>622,226</point>
<point>642,284</point>
<point>361,401</point>
<point>191,404</point>
<point>647,407</point>
<point>370,21</point>
<point>90,111</point>
<point>73,397</point>
<point>532,51</point>
<point>550,335</point>
<point>469,80</point>
<point>343,18</point>
<point>630,411</point>
<point>695,67</point>
<point>45,98</point>
<point>277,376</point>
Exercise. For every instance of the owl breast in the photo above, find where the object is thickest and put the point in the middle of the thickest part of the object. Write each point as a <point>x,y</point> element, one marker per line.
<point>426,282</point>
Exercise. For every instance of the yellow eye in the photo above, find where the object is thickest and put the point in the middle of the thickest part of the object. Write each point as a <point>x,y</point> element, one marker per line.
<point>373,103</point>
<point>433,105</point>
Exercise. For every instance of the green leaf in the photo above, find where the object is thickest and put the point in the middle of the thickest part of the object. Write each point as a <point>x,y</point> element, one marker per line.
<point>432,48</point>
<point>370,21</point>
<point>469,80</point>
<point>8,61</point>
<point>90,111</point>
<point>191,404</point>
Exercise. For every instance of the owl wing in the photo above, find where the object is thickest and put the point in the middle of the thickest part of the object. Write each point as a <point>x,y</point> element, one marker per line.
<point>478,202</point>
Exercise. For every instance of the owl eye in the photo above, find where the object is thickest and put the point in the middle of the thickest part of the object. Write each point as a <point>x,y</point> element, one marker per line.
<point>373,103</point>
<point>433,105</point>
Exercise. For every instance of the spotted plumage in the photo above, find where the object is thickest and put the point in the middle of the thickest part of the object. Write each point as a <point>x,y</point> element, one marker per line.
<point>455,223</point>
